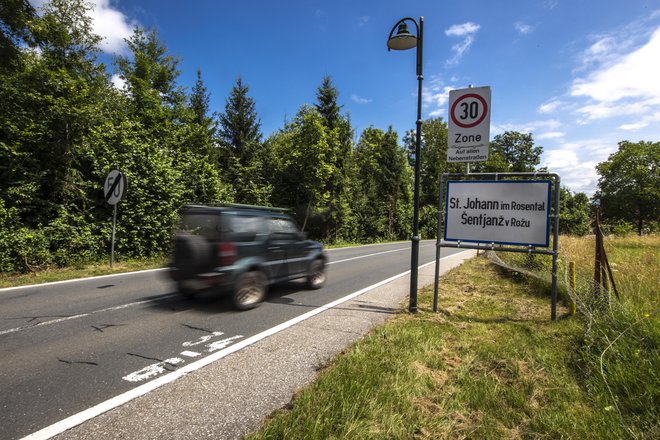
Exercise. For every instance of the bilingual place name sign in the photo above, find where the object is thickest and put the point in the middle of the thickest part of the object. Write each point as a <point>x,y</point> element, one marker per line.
<point>504,212</point>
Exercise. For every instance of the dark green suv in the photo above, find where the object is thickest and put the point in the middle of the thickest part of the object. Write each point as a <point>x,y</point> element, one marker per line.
<point>242,250</point>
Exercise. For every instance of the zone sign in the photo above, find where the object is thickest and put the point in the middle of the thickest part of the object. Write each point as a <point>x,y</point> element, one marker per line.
<point>469,124</point>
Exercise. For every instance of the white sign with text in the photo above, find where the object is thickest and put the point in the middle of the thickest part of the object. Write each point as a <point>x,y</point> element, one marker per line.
<point>504,212</point>
<point>468,125</point>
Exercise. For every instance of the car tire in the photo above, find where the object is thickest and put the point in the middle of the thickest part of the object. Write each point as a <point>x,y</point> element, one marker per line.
<point>185,291</point>
<point>193,254</point>
<point>250,290</point>
<point>317,274</point>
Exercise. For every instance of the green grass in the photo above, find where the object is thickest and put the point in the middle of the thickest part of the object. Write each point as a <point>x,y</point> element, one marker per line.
<point>89,270</point>
<point>491,365</point>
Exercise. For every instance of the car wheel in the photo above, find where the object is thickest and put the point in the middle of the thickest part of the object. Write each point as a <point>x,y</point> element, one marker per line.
<point>186,291</point>
<point>317,276</point>
<point>250,290</point>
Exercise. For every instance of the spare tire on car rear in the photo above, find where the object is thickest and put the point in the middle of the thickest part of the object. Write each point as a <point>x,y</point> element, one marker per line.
<point>192,254</point>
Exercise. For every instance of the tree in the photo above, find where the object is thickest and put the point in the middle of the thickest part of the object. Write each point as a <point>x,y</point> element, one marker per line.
<point>384,185</point>
<point>15,16</point>
<point>629,184</point>
<point>574,213</point>
<point>326,105</point>
<point>516,150</point>
<point>150,78</point>
<point>340,148</point>
<point>243,157</point>
<point>240,127</point>
<point>51,100</point>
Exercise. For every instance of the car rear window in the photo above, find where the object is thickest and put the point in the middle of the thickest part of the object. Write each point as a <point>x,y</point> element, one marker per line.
<point>201,224</point>
<point>244,224</point>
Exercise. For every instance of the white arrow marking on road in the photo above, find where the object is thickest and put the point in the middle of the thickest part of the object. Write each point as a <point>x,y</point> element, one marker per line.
<point>151,370</point>
<point>219,345</point>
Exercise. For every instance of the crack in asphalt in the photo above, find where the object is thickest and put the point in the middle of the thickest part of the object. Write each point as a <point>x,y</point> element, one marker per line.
<point>165,363</point>
<point>78,362</point>
<point>102,327</point>
<point>192,327</point>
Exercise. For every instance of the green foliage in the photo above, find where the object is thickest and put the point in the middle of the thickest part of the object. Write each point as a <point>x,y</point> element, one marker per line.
<point>517,150</point>
<point>574,213</point>
<point>629,184</point>
<point>384,182</point>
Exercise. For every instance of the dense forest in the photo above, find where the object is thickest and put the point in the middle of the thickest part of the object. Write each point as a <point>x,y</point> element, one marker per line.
<point>64,126</point>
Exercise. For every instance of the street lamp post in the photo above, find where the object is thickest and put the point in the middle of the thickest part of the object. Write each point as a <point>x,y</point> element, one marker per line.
<point>404,40</point>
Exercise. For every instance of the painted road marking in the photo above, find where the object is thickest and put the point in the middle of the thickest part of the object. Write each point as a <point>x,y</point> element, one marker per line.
<point>152,370</point>
<point>88,414</point>
<point>83,315</point>
<point>377,253</point>
<point>161,367</point>
<point>190,354</point>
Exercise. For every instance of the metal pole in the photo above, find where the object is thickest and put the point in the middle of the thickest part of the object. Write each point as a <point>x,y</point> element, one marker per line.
<point>555,252</point>
<point>112,246</point>
<point>436,279</point>
<point>414,263</point>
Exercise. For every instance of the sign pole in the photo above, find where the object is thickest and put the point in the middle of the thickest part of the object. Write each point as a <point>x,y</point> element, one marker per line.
<point>555,251</point>
<point>114,190</point>
<point>438,243</point>
<point>114,225</point>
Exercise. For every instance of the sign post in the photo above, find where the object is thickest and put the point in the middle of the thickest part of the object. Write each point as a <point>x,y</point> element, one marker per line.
<point>469,125</point>
<point>114,190</point>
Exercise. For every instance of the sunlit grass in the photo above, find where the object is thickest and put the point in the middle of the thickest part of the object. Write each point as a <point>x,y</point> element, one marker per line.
<point>491,364</point>
<point>88,270</point>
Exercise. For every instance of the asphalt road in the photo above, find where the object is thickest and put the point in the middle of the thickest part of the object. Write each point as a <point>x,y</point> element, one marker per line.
<point>69,346</point>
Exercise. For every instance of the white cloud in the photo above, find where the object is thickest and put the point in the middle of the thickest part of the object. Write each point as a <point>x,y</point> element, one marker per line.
<point>460,30</point>
<point>551,135</point>
<point>108,22</point>
<point>527,127</point>
<point>435,96</point>
<point>364,20</point>
<point>359,99</point>
<point>467,31</point>
<point>112,25</point>
<point>118,82</point>
<point>523,28</point>
<point>633,76</point>
<point>550,106</point>
<point>579,176</point>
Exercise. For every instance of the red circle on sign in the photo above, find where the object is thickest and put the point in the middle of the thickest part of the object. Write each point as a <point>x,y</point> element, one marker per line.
<point>478,121</point>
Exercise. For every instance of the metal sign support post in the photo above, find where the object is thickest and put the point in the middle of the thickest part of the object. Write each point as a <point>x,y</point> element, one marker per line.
<point>114,190</point>
<point>441,213</point>
<point>114,226</point>
<point>554,217</point>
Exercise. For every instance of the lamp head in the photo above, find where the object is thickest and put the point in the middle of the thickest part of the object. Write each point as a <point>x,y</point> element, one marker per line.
<point>403,39</point>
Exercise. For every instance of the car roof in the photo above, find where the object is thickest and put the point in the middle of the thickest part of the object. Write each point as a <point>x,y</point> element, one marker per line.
<point>235,208</point>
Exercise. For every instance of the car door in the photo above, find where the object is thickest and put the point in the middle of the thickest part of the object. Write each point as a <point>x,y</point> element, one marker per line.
<point>286,235</point>
<point>276,245</point>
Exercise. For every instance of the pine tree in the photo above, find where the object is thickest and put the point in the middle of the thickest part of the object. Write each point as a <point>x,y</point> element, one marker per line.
<point>243,157</point>
<point>326,96</point>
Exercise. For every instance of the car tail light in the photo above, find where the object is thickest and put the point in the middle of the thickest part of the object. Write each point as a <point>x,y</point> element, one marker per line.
<point>226,254</point>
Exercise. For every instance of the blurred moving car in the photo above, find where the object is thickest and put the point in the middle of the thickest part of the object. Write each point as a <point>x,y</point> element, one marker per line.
<point>242,249</point>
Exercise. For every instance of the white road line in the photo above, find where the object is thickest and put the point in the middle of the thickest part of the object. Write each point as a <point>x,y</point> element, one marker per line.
<point>374,254</point>
<point>99,277</point>
<point>82,315</point>
<point>90,413</point>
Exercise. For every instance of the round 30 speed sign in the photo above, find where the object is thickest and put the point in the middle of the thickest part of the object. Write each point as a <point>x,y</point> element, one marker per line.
<point>469,110</point>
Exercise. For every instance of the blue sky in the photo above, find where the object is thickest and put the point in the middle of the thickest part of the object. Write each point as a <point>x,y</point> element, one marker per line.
<point>581,75</point>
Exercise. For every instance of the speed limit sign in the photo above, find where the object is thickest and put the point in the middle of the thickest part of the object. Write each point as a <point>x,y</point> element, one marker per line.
<point>469,124</point>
